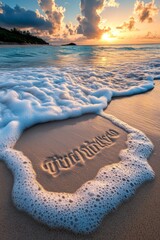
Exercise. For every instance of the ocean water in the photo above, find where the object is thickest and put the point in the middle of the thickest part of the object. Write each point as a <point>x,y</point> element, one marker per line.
<point>46,83</point>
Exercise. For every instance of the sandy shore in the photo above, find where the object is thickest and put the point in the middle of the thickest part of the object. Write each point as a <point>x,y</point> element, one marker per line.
<point>137,219</point>
<point>44,141</point>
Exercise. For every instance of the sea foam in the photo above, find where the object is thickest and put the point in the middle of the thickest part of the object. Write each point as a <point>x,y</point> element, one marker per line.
<point>31,96</point>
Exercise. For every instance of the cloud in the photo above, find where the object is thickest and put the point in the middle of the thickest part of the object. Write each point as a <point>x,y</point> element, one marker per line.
<point>150,35</point>
<point>147,11</point>
<point>53,13</point>
<point>22,18</point>
<point>130,25</point>
<point>1,11</point>
<point>89,22</point>
<point>52,16</point>
<point>71,30</point>
<point>90,19</point>
<point>51,20</point>
<point>111,3</point>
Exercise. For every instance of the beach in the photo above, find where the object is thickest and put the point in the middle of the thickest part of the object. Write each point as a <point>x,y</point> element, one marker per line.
<point>138,218</point>
<point>79,120</point>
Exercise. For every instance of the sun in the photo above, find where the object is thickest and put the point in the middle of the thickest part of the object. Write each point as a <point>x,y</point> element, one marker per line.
<point>106,37</point>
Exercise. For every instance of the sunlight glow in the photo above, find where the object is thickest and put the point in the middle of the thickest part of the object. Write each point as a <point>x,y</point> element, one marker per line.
<point>106,37</point>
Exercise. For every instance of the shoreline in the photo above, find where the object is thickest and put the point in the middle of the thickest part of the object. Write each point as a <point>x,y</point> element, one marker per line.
<point>129,221</point>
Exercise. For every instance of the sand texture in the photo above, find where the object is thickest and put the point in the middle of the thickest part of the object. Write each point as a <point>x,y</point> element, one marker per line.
<point>59,138</point>
<point>139,218</point>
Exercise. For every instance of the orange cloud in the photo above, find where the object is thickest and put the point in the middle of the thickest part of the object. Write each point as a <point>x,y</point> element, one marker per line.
<point>150,35</point>
<point>130,25</point>
<point>54,14</point>
<point>146,12</point>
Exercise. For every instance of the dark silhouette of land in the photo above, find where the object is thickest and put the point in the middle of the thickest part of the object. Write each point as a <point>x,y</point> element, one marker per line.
<point>69,44</point>
<point>15,36</point>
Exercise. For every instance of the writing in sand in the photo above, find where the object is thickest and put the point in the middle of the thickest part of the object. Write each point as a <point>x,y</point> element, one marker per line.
<point>55,164</point>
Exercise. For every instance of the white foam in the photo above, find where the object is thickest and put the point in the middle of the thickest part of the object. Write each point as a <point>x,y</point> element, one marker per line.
<point>31,96</point>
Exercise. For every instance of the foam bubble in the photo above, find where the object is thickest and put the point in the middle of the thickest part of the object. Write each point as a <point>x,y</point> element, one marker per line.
<point>83,210</point>
<point>31,96</point>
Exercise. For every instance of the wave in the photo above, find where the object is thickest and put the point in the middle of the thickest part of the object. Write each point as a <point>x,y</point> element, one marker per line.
<point>32,96</point>
<point>126,48</point>
<point>29,96</point>
<point>14,57</point>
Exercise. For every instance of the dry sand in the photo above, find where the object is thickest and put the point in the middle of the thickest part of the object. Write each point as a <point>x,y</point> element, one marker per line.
<point>137,219</point>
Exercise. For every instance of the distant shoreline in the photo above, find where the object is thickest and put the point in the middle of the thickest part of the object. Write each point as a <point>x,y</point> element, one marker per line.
<point>16,36</point>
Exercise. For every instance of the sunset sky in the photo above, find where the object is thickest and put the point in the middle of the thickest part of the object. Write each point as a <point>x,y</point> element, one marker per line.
<point>85,21</point>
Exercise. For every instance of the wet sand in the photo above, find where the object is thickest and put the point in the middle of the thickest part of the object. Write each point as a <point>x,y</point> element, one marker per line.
<point>45,141</point>
<point>139,218</point>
